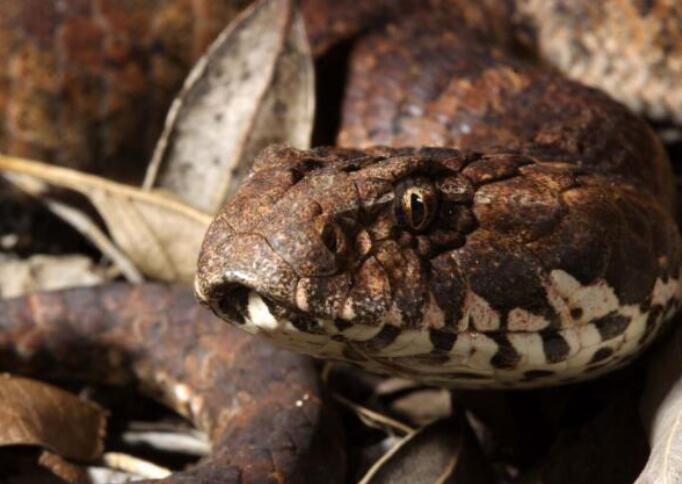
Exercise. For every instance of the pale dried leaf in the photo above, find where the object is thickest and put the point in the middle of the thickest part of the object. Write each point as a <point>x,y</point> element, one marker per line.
<point>80,221</point>
<point>135,466</point>
<point>254,87</point>
<point>104,475</point>
<point>177,437</point>
<point>392,385</point>
<point>35,413</point>
<point>45,273</point>
<point>187,441</point>
<point>429,455</point>
<point>661,408</point>
<point>423,406</point>
<point>159,233</point>
<point>162,243</point>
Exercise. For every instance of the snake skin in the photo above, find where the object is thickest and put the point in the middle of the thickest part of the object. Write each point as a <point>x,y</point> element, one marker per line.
<point>544,249</point>
<point>87,83</point>
<point>266,422</point>
<point>631,49</point>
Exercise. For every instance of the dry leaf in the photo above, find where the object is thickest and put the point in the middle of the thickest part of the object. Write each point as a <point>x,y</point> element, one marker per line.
<point>81,221</point>
<point>160,234</point>
<point>133,465</point>
<point>423,406</point>
<point>254,87</point>
<point>180,439</point>
<point>661,408</point>
<point>35,413</point>
<point>372,418</point>
<point>44,273</point>
<point>443,451</point>
<point>104,475</point>
<point>66,470</point>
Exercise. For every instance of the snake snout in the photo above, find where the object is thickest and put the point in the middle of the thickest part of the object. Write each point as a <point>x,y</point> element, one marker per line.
<point>240,273</point>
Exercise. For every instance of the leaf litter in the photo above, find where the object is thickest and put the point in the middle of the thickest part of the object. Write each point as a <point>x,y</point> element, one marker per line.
<point>64,426</point>
<point>155,231</point>
<point>398,431</point>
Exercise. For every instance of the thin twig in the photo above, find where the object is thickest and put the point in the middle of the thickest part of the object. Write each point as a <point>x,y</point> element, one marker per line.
<point>372,417</point>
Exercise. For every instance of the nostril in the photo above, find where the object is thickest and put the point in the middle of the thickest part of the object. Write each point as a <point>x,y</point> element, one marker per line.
<point>333,238</point>
<point>230,302</point>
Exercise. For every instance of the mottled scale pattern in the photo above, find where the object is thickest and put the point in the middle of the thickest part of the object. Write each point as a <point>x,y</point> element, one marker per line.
<point>632,49</point>
<point>87,83</point>
<point>487,222</point>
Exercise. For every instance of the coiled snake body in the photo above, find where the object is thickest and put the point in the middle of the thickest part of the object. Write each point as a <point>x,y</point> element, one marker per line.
<point>534,245</point>
<point>541,250</point>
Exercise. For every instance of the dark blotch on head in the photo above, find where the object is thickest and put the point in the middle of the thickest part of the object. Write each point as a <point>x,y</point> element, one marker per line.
<point>601,354</point>
<point>442,340</point>
<point>555,346</point>
<point>448,288</point>
<point>384,338</point>
<point>517,281</point>
<point>611,325</point>
<point>506,357</point>
<point>342,324</point>
<point>306,324</point>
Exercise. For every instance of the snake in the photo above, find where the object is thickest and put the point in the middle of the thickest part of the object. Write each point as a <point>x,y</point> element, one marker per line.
<point>488,219</point>
<point>485,221</point>
<point>266,423</point>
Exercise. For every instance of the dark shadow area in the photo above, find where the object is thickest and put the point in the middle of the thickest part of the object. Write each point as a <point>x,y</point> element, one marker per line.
<point>331,71</point>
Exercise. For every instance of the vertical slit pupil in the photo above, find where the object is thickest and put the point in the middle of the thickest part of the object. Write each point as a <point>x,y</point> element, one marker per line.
<point>417,209</point>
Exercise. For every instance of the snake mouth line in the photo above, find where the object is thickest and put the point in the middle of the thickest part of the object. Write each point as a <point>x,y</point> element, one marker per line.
<point>245,307</point>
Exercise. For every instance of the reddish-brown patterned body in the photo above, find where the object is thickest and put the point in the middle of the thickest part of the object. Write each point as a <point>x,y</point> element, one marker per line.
<point>87,83</point>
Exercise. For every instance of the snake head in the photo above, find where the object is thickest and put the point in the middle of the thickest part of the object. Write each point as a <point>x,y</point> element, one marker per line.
<point>441,265</point>
<point>323,245</point>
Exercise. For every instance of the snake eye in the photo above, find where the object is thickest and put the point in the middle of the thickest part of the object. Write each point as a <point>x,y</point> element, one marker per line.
<point>415,204</point>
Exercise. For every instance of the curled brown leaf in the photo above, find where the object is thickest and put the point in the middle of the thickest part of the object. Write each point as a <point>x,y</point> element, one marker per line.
<point>35,413</point>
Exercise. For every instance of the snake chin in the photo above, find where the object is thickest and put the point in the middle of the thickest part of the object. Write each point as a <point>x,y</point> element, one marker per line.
<point>610,336</point>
